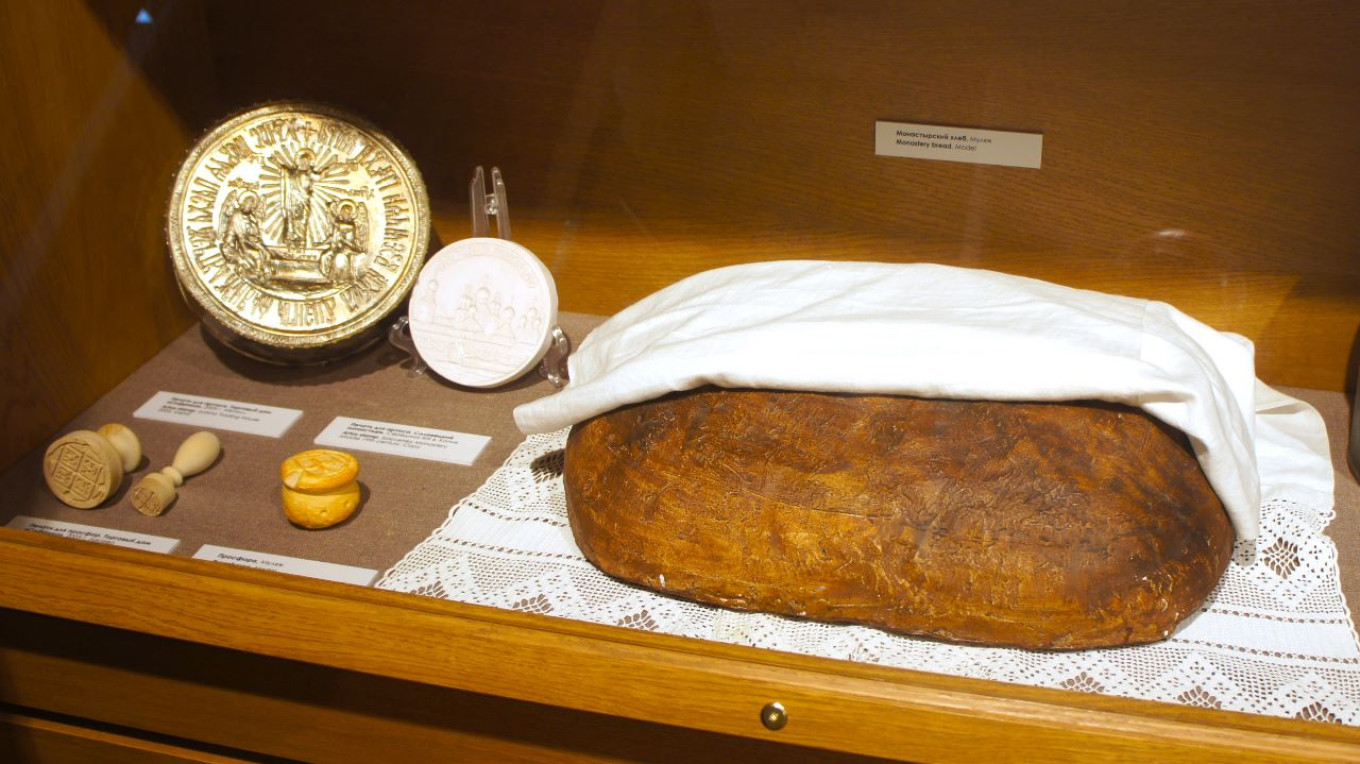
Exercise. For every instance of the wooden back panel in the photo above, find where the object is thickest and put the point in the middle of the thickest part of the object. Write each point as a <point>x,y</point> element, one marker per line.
<point>88,147</point>
<point>1195,153</point>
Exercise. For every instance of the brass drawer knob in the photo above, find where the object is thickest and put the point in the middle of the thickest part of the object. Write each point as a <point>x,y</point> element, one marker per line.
<point>773,716</point>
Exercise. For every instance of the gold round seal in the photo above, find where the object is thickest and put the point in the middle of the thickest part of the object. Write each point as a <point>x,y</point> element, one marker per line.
<point>295,229</point>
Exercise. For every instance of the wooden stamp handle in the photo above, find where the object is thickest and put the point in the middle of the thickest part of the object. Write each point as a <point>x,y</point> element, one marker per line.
<point>195,454</point>
<point>156,492</point>
<point>125,442</point>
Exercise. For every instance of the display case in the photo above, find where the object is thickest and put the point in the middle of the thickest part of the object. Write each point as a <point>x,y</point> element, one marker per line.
<point>1196,154</point>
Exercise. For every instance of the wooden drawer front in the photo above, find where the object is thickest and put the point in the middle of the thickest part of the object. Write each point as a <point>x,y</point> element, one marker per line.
<point>280,708</point>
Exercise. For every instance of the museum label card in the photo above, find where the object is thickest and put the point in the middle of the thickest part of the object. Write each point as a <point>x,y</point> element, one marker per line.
<point>329,571</point>
<point>403,440</point>
<point>218,414</point>
<point>91,533</point>
<point>958,144</point>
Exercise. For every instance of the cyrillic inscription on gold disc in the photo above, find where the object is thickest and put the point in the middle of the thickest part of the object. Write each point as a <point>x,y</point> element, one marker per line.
<point>296,229</point>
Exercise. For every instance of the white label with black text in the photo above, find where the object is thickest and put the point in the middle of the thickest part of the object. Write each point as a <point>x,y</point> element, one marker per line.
<point>329,571</point>
<point>958,144</point>
<point>403,440</point>
<point>91,533</point>
<point>218,414</point>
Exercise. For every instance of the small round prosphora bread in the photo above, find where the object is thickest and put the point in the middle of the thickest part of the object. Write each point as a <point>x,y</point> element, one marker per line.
<point>320,487</point>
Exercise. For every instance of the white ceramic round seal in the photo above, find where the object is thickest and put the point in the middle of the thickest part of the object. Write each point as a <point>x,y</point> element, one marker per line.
<point>483,311</point>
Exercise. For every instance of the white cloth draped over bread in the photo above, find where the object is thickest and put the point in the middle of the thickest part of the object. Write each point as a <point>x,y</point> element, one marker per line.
<point>931,331</point>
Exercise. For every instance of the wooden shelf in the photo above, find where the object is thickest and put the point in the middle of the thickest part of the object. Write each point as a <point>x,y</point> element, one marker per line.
<point>645,677</point>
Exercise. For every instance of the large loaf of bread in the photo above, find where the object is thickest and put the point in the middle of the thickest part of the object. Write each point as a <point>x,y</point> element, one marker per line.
<point>1035,525</point>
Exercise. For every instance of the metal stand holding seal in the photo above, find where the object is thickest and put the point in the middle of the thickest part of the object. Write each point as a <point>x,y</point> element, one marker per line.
<point>484,309</point>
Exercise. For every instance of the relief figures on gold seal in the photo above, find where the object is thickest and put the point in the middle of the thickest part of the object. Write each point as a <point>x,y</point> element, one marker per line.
<point>297,229</point>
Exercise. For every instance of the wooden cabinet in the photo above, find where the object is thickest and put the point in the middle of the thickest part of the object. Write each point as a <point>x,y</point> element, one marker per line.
<point>1193,153</point>
<point>318,671</point>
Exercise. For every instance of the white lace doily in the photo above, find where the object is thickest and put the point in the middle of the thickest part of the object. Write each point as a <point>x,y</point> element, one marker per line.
<point>1274,638</point>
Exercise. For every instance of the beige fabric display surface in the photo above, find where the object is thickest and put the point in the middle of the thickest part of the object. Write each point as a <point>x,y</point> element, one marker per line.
<point>236,503</point>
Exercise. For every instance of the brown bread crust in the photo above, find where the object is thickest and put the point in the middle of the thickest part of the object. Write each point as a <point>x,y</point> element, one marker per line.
<point>1036,525</point>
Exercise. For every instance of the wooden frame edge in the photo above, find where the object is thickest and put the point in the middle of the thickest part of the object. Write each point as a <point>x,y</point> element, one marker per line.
<point>658,678</point>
